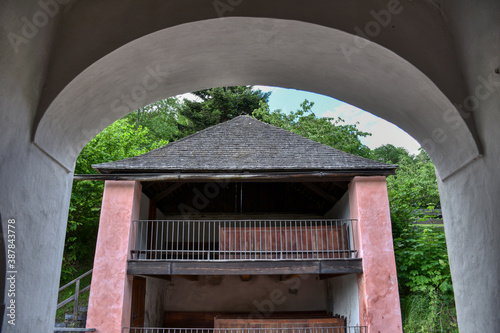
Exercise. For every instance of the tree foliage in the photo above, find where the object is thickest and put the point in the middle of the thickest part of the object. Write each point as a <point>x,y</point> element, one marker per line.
<point>421,255</point>
<point>218,105</point>
<point>412,188</point>
<point>161,119</point>
<point>328,131</point>
<point>120,140</point>
<point>390,154</point>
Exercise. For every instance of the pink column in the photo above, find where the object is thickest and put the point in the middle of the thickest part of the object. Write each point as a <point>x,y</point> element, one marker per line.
<point>379,307</point>
<point>111,288</point>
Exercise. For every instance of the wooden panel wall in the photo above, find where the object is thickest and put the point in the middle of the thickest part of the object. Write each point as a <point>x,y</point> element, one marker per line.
<point>285,325</point>
<point>310,242</point>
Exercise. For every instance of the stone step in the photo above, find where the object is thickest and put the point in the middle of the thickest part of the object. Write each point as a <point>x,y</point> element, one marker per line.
<point>70,317</point>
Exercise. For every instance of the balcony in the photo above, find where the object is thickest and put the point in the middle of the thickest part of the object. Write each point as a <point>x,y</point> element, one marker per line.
<point>290,329</point>
<point>241,247</point>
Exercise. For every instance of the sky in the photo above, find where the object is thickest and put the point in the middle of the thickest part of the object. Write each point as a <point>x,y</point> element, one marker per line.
<point>382,131</point>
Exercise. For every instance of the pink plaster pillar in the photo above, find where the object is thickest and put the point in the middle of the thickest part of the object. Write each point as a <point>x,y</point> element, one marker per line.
<point>111,288</point>
<point>379,307</point>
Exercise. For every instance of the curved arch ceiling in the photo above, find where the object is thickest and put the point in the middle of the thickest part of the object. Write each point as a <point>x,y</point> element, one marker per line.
<point>256,51</point>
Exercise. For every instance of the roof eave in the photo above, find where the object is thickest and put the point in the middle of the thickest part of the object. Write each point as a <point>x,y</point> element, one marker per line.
<point>262,175</point>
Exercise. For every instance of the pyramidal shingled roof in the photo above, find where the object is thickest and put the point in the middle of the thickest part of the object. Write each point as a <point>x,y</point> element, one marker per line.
<point>244,144</point>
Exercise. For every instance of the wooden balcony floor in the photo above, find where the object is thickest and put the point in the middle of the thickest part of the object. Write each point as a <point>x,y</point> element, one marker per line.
<point>240,267</point>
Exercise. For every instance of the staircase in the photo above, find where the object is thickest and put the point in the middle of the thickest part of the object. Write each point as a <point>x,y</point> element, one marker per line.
<point>75,321</point>
<point>71,322</point>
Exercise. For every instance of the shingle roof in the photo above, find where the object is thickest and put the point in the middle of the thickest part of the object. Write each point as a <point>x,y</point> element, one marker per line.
<point>244,144</point>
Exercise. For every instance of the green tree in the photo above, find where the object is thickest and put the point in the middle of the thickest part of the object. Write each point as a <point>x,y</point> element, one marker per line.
<point>424,277</point>
<point>218,105</point>
<point>120,140</point>
<point>160,118</point>
<point>390,154</point>
<point>328,131</point>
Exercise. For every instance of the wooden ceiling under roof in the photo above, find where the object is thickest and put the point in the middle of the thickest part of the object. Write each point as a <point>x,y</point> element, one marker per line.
<point>179,198</point>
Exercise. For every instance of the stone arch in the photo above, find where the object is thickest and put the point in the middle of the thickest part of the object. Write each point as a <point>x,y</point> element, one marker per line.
<point>263,51</point>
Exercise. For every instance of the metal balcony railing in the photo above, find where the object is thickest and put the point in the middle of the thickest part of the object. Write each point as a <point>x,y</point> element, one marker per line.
<point>220,240</point>
<point>341,329</point>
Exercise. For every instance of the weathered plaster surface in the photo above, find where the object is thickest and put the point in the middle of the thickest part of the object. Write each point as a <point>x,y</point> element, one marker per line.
<point>343,298</point>
<point>378,286</point>
<point>341,209</point>
<point>307,48</point>
<point>111,288</point>
<point>155,302</point>
<point>259,296</point>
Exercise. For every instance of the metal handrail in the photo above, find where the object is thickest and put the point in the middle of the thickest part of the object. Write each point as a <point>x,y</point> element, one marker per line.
<point>335,329</point>
<point>75,296</point>
<point>67,329</point>
<point>222,240</point>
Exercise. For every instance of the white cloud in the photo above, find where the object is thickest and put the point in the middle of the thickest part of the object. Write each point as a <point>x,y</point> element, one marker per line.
<point>383,132</point>
<point>329,114</point>
<point>189,96</point>
<point>266,88</point>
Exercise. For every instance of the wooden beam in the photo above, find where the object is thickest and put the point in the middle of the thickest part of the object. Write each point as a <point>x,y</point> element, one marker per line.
<point>329,276</point>
<point>306,176</point>
<point>278,267</point>
<point>169,190</point>
<point>321,193</point>
<point>164,277</point>
<point>189,277</point>
<point>288,277</point>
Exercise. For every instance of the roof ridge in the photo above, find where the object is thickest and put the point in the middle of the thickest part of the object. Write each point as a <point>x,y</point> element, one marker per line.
<point>244,143</point>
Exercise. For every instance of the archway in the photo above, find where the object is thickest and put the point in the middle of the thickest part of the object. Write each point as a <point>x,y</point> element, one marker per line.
<point>255,51</point>
<point>386,78</point>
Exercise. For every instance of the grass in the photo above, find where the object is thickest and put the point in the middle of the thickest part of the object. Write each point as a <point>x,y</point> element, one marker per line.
<point>425,314</point>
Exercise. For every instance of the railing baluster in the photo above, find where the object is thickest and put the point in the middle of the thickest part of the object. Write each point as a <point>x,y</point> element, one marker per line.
<point>317,240</point>
<point>266,240</point>
<point>295,232</point>
<point>286,328</point>
<point>156,240</point>
<point>150,237</point>
<point>75,305</point>
<point>242,250</point>
<point>254,231</point>
<point>328,229</point>
<point>222,234</point>
<point>243,240</point>
<point>177,240</point>
<point>200,237</point>
<point>322,232</point>
<point>281,241</point>
<point>275,242</point>
<point>146,241</point>
<point>171,226</point>
<point>183,247</point>
<point>139,240</point>
<point>343,232</point>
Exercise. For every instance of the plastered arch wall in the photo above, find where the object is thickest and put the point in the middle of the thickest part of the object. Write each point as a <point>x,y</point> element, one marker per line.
<point>453,45</point>
<point>274,52</point>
